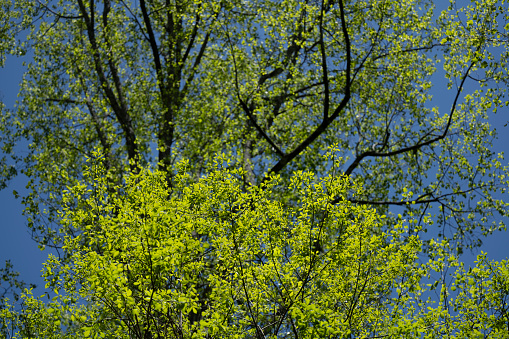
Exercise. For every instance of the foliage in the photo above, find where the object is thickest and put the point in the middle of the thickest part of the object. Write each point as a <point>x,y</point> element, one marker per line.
<point>305,270</point>
<point>10,289</point>
<point>271,84</point>
<point>9,283</point>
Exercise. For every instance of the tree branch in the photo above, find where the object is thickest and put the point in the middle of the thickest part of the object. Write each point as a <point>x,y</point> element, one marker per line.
<point>419,144</point>
<point>420,199</point>
<point>152,39</point>
<point>325,72</point>
<point>58,15</point>
<point>120,109</point>
<point>323,126</point>
<point>192,39</point>
<point>247,110</point>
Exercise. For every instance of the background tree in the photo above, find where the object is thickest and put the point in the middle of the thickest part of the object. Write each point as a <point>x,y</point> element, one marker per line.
<point>272,84</point>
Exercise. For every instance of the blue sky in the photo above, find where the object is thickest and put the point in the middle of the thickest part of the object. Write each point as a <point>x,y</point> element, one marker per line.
<point>15,241</point>
<point>17,245</point>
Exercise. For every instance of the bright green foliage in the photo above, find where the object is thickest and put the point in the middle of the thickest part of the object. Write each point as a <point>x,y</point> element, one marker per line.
<point>211,260</point>
<point>482,301</point>
<point>271,84</point>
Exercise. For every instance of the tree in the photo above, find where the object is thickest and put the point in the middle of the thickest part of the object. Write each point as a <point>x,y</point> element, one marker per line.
<point>139,274</point>
<point>272,84</point>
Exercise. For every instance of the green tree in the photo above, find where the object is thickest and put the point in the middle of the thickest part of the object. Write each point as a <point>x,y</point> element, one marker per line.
<point>139,274</point>
<point>272,84</point>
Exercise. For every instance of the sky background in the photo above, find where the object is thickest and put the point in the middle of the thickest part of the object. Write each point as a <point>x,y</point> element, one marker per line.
<point>17,245</point>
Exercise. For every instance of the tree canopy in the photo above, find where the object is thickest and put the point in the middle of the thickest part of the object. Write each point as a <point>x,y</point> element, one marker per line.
<point>144,86</point>
<point>273,84</point>
<point>210,259</point>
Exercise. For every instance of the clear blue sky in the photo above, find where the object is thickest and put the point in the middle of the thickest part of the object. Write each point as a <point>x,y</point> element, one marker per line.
<point>17,245</point>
